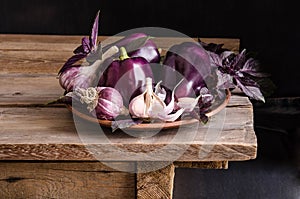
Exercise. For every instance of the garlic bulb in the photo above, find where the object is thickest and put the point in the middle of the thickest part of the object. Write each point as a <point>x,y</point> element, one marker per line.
<point>150,105</point>
<point>105,102</point>
<point>141,105</point>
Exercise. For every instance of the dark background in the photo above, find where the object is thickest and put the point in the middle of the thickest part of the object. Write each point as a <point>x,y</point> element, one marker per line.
<point>269,28</point>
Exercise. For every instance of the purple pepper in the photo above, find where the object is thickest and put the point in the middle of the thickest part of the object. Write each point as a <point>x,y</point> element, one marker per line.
<point>147,50</point>
<point>126,74</point>
<point>192,62</point>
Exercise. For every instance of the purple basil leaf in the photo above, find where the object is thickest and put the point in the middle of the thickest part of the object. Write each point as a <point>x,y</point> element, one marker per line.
<point>94,33</point>
<point>239,61</point>
<point>124,123</point>
<point>246,80</point>
<point>203,118</point>
<point>212,47</point>
<point>228,60</point>
<point>226,54</point>
<point>251,67</point>
<point>215,59</point>
<point>256,74</point>
<point>78,50</point>
<point>251,91</point>
<point>86,45</point>
<point>69,63</point>
<point>199,116</point>
<point>224,80</point>
<point>267,86</point>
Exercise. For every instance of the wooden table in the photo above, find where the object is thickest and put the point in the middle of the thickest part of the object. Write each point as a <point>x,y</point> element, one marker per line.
<point>42,155</point>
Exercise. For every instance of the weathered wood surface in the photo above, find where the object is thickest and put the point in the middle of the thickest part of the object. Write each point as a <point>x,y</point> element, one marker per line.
<point>155,184</point>
<point>203,165</point>
<point>48,133</point>
<point>64,180</point>
<point>89,179</point>
<point>44,54</point>
<point>28,90</point>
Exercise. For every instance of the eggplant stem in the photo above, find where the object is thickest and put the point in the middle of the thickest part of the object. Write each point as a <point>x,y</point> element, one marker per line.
<point>123,54</point>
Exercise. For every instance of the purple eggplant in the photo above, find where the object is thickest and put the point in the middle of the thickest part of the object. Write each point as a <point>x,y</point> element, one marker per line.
<point>126,74</point>
<point>138,45</point>
<point>192,62</point>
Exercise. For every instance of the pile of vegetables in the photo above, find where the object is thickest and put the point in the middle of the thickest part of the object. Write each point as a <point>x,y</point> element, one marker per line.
<point>118,80</point>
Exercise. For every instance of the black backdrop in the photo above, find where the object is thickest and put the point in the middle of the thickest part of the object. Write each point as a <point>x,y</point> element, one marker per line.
<point>267,27</point>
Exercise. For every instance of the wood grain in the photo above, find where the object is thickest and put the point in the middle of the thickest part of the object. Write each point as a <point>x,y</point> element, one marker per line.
<point>48,133</point>
<point>157,184</point>
<point>203,165</point>
<point>44,54</point>
<point>28,90</point>
<point>64,180</point>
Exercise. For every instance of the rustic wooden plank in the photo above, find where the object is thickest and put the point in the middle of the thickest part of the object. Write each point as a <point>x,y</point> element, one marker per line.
<point>48,133</point>
<point>40,38</point>
<point>44,54</point>
<point>32,61</point>
<point>157,184</point>
<point>68,42</point>
<point>203,165</point>
<point>29,90</point>
<point>20,121</point>
<point>64,180</point>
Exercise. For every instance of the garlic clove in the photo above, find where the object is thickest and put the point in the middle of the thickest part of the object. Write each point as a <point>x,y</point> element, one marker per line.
<point>155,109</point>
<point>137,106</point>
<point>160,92</point>
<point>147,104</point>
<point>188,103</point>
<point>171,117</point>
<point>171,104</point>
